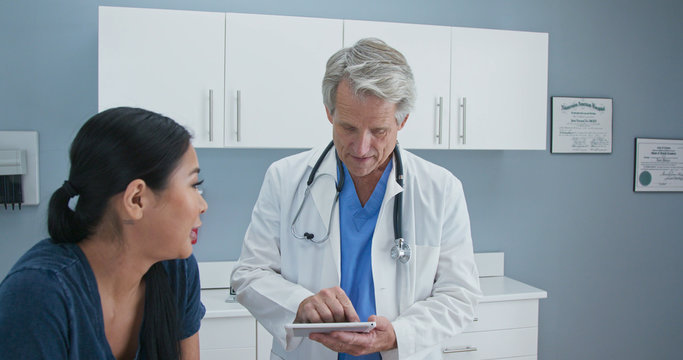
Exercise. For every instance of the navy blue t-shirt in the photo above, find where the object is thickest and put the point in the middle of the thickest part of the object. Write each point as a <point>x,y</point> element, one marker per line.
<point>50,307</point>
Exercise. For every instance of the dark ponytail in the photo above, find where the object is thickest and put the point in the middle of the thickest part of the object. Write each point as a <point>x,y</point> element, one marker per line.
<point>62,223</point>
<point>112,149</point>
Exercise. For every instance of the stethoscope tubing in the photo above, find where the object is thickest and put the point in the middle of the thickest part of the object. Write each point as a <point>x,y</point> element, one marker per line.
<point>401,250</point>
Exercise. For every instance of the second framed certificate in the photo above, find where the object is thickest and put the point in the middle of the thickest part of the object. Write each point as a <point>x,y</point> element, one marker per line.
<point>581,125</point>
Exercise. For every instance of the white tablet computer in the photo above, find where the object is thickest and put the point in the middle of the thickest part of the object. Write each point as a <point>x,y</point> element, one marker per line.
<point>302,330</point>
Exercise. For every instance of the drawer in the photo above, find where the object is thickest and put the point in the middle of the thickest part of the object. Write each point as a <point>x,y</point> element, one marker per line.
<point>505,315</point>
<point>223,354</point>
<point>228,333</point>
<point>492,344</point>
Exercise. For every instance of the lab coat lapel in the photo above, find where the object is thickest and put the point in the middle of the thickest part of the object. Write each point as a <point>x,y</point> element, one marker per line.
<point>384,269</point>
<point>323,193</point>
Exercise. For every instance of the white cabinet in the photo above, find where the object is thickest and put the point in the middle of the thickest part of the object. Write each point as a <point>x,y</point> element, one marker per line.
<point>167,61</point>
<point>235,80</point>
<point>499,82</point>
<point>476,88</point>
<point>254,81</point>
<point>501,330</point>
<point>227,331</point>
<point>227,338</point>
<point>506,319</point>
<point>264,342</point>
<point>505,326</point>
<point>427,50</point>
<point>274,71</point>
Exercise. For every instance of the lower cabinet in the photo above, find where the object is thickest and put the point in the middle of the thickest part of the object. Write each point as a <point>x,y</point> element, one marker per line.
<point>226,354</point>
<point>505,324</point>
<point>498,344</point>
<point>264,342</point>
<point>227,338</point>
<point>501,330</point>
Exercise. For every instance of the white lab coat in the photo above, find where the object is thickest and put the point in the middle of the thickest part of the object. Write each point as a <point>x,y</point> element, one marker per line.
<point>427,300</point>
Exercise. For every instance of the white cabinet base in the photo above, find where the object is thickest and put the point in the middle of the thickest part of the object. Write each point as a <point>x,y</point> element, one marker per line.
<point>227,354</point>
<point>496,344</point>
<point>506,325</point>
<point>227,338</point>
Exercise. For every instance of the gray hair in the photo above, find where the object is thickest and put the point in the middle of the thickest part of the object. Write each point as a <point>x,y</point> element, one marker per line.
<point>372,68</point>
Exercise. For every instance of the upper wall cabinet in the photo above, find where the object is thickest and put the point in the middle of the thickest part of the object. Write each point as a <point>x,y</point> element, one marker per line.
<point>234,80</point>
<point>427,49</point>
<point>254,81</point>
<point>274,71</point>
<point>499,85</point>
<point>476,88</point>
<point>166,61</point>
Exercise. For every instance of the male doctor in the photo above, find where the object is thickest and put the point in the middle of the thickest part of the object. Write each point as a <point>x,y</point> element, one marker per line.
<point>328,249</point>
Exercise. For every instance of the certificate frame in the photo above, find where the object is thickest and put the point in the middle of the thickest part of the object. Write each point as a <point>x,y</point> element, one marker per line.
<point>581,125</point>
<point>658,165</point>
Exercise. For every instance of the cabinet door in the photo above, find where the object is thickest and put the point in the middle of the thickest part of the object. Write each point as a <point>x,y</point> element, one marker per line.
<point>499,89</point>
<point>166,61</point>
<point>274,70</point>
<point>228,338</point>
<point>264,342</point>
<point>427,50</point>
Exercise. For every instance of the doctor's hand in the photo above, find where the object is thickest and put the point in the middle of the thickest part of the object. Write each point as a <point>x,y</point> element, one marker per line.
<point>329,305</point>
<point>381,338</point>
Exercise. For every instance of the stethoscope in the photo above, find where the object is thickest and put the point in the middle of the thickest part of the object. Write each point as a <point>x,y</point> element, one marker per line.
<point>401,250</point>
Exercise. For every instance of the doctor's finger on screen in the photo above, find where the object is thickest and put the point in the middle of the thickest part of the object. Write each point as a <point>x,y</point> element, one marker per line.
<point>328,305</point>
<point>381,338</point>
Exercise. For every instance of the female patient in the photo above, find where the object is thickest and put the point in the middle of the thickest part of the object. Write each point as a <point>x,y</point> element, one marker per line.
<point>116,279</point>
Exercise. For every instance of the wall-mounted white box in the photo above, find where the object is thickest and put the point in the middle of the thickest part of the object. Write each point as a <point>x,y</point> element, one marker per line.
<point>27,141</point>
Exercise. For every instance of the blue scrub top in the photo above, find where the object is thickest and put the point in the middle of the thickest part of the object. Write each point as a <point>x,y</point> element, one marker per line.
<point>357,225</point>
<point>50,306</point>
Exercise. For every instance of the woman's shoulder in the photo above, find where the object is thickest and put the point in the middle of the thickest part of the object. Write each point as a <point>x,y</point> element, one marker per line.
<point>50,286</point>
<point>57,269</point>
<point>48,257</point>
<point>38,276</point>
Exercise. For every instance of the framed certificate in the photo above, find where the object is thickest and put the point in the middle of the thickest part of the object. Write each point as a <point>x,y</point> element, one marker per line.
<point>581,125</point>
<point>659,165</point>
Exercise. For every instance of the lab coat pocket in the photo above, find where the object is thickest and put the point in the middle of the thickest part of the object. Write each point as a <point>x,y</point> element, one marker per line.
<point>426,265</point>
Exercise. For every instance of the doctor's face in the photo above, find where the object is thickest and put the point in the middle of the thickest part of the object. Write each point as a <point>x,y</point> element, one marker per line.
<point>364,131</point>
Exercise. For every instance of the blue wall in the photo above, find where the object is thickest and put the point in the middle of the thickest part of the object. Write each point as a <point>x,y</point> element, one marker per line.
<point>570,224</point>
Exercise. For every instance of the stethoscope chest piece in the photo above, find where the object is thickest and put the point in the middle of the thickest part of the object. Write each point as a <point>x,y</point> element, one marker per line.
<point>400,251</point>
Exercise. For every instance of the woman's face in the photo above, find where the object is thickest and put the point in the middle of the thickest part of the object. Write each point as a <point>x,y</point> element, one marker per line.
<point>175,212</point>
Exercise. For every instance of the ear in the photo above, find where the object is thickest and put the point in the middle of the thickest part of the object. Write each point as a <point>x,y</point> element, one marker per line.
<point>134,199</point>
<point>402,124</point>
<point>329,114</point>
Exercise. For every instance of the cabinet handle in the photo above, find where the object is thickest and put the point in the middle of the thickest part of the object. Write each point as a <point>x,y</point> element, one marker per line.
<point>463,134</point>
<point>239,115</point>
<point>440,106</point>
<point>459,350</point>
<point>210,115</point>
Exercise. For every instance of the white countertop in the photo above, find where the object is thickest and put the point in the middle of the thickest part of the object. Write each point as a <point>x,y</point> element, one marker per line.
<point>502,288</point>
<point>216,306</point>
<point>495,288</point>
